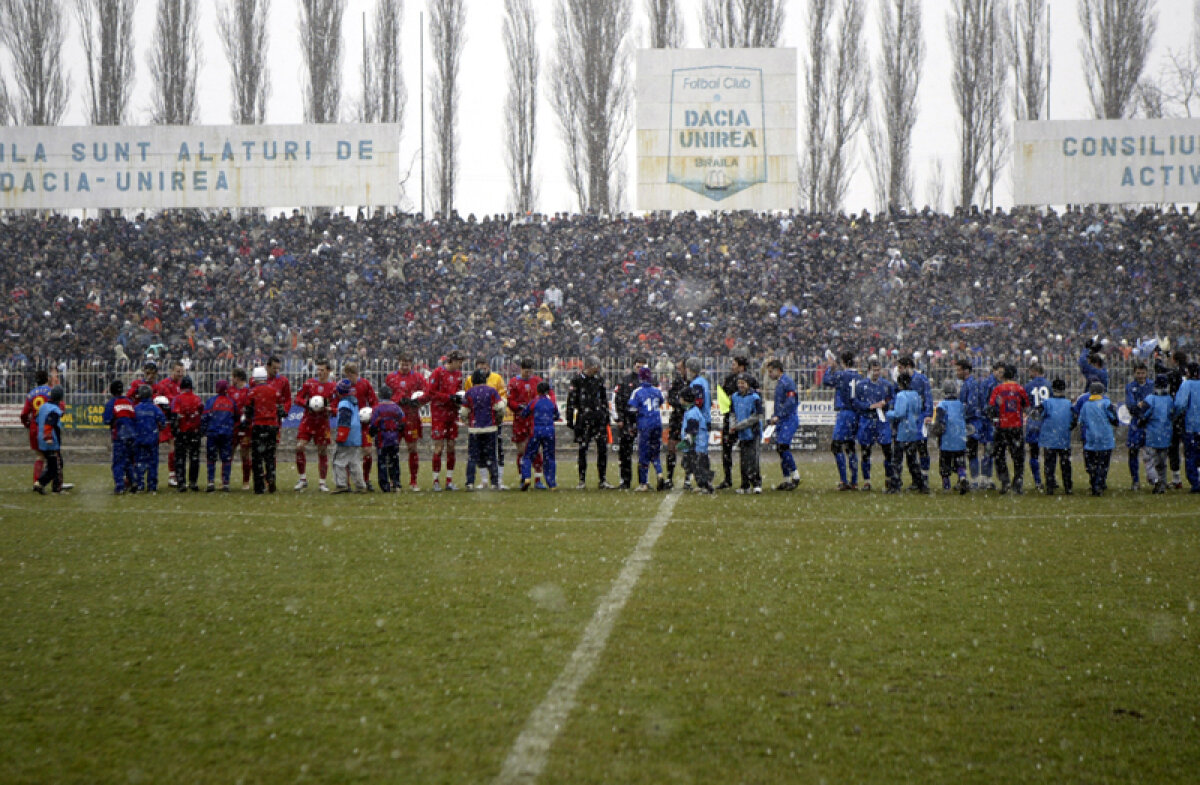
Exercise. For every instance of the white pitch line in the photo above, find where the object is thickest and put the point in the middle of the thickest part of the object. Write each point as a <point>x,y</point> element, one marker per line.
<point>528,755</point>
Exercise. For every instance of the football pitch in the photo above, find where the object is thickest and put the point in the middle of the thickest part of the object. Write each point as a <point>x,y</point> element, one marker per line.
<point>597,637</point>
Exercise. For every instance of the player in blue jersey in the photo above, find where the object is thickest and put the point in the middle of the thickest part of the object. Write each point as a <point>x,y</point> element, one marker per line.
<point>872,397</point>
<point>148,421</point>
<point>118,416</point>
<point>646,403</point>
<point>907,413</point>
<point>1057,417</point>
<point>1136,391</point>
<point>1099,418</point>
<point>1038,390</point>
<point>786,421</point>
<point>219,423</point>
<point>746,410</point>
<point>950,429</point>
<point>49,436</point>
<point>1153,416</point>
<point>974,394</point>
<point>919,383</point>
<point>1187,407</point>
<point>695,440</point>
<point>545,414</point>
<point>844,378</point>
<point>1091,363</point>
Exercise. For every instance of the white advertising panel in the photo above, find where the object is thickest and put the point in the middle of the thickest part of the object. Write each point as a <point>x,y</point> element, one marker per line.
<point>1107,161</point>
<point>716,129</point>
<point>173,167</point>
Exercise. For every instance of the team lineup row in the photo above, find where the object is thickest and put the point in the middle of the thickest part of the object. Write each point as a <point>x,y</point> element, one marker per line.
<point>994,414</point>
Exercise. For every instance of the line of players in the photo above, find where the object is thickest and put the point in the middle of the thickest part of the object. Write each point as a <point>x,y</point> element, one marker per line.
<point>246,415</point>
<point>870,410</point>
<point>1000,417</point>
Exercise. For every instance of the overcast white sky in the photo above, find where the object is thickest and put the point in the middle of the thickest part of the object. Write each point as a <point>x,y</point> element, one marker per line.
<point>483,182</point>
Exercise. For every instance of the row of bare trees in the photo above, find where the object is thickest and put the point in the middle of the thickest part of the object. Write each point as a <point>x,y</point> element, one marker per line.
<point>34,33</point>
<point>1000,55</point>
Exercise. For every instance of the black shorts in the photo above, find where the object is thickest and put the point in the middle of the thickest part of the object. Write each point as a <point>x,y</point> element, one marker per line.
<point>587,431</point>
<point>675,427</point>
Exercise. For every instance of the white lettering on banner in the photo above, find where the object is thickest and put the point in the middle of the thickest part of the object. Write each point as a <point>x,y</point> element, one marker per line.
<point>1107,161</point>
<point>175,167</point>
<point>10,415</point>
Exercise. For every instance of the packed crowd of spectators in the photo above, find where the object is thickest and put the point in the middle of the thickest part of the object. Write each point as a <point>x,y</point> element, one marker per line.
<point>240,288</point>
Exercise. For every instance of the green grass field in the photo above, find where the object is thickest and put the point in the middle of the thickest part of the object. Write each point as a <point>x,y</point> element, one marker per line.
<point>803,637</point>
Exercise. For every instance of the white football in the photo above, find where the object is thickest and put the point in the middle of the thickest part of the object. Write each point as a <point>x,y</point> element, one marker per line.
<point>162,400</point>
<point>316,403</point>
<point>418,395</point>
<point>364,414</point>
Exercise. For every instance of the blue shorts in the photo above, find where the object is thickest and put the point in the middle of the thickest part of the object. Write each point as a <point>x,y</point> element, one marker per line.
<point>649,445</point>
<point>1136,438</point>
<point>846,426</point>
<point>219,447</point>
<point>872,431</point>
<point>983,431</point>
<point>784,432</point>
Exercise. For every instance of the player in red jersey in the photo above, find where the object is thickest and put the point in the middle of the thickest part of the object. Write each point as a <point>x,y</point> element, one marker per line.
<point>277,380</point>
<point>314,424</point>
<point>45,380</point>
<point>169,389</point>
<point>149,378</point>
<point>408,390</point>
<point>186,412</point>
<point>1007,406</point>
<point>240,393</point>
<point>282,386</point>
<point>365,393</point>
<point>522,390</point>
<point>443,387</point>
<point>264,412</point>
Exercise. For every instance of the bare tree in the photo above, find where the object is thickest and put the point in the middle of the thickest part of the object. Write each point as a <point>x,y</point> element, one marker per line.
<point>1179,83</point>
<point>1028,50</point>
<point>979,85</point>
<point>34,32</point>
<point>384,93</point>
<point>5,111</point>
<point>590,93</point>
<point>520,117</point>
<point>243,28</point>
<point>890,129</point>
<point>1117,35</point>
<point>1150,99</point>
<point>321,45</point>
<point>666,24</point>
<point>935,186</point>
<point>174,62</point>
<point>741,24</point>
<point>820,13</point>
<point>447,36</point>
<point>848,103</point>
<point>106,29</point>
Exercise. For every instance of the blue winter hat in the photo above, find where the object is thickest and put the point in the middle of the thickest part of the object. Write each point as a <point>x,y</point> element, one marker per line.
<point>344,387</point>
